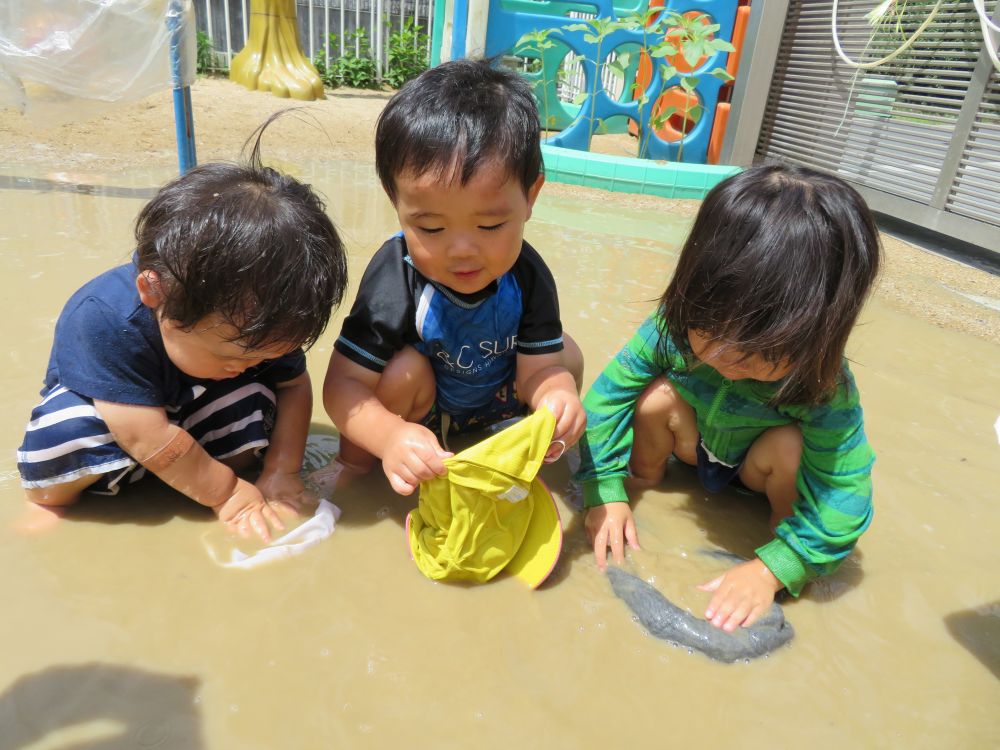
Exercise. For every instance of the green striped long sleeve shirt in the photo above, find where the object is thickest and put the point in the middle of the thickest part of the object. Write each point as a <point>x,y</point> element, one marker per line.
<point>834,506</point>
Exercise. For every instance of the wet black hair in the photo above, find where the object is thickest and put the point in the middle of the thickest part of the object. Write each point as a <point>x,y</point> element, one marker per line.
<point>248,243</point>
<point>778,264</point>
<point>454,118</point>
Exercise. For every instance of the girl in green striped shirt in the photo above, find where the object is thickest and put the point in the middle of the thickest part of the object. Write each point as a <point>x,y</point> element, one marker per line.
<point>741,372</point>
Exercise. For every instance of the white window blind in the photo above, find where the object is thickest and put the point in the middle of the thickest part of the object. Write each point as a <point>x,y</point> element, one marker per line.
<point>919,130</point>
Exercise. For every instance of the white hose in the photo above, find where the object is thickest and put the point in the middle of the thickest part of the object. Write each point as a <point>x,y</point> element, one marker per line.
<point>892,55</point>
<point>989,28</point>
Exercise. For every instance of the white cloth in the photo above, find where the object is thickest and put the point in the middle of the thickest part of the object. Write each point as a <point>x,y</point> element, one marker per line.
<point>295,542</point>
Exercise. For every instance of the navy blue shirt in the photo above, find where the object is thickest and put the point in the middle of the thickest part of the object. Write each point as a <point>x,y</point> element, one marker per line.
<point>107,346</point>
<point>470,339</point>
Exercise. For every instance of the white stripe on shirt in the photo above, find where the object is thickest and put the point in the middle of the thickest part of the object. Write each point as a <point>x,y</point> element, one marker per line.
<point>229,399</point>
<point>83,410</point>
<point>46,454</point>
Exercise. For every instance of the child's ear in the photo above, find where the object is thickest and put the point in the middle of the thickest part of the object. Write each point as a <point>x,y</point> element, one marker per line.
<point>533,192</point>
<point>148,284</point>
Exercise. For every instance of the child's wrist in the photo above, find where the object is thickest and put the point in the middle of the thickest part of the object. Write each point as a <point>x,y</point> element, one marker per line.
<point>221,494</point>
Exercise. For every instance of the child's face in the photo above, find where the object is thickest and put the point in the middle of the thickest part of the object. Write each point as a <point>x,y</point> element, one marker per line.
<point>208,350</point>
<point>464,236</point>
<point>733,364</point>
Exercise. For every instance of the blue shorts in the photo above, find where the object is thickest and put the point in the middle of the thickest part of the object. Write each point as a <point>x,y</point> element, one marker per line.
<point>66,439</point>
<point>715,475</point>
<point>504,405</point>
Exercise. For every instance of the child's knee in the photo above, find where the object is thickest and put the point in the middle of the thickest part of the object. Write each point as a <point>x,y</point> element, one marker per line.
<point>786,450</point>
<point>407,386</point>
<point>60,494</point>
<point>661,407</point>
<point>572,358</point>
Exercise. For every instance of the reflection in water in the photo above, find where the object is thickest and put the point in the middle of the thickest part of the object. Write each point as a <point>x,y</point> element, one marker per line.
<point>349,646</point>
<point>41,184</point>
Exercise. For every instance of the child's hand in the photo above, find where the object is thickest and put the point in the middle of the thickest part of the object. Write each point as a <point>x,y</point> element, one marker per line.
<point>412,456</point>
<point>611,525</point>
<point>742,595</point>
<point>247,510</point>
<point>571,420</point>
<point>284,488</point>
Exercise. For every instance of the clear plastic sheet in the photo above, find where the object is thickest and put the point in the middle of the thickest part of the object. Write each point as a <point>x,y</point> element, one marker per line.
<point>69,60</point>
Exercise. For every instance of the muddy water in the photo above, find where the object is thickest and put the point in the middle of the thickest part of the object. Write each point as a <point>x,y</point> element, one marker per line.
<point>118,630</point>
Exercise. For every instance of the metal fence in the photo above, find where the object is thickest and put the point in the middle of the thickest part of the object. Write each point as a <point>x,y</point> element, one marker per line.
<point>326,27</point>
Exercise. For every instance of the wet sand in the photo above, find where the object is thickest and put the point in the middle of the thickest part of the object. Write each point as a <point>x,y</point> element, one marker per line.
<point>341,127</point>
<point>120,631</point>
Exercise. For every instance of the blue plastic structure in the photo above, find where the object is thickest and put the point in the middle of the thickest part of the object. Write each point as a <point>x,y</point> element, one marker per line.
<point>508,23</point>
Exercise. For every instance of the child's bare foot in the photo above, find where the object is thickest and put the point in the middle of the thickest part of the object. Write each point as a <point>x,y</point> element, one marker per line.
<point>37,519</point>
<point>336,475</point>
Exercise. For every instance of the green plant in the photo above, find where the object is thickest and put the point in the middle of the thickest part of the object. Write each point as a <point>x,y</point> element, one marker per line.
<point>406,58</point>
<point>690,36</point>
<point>407,54</point>
<point>596,30</point>
<point>205,53</point>
<point>537,42</point>
<point>355,68</point>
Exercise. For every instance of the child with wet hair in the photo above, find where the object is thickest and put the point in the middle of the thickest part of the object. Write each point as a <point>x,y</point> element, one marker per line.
<point>741,373</point>
<point>456,324</point>
<point>188,362</point>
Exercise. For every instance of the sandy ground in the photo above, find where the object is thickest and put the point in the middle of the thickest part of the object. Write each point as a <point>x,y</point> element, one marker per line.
<point>937,289</point>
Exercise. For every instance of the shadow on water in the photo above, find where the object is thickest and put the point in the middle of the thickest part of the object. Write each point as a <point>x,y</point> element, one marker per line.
<point>978,630</point>
<point>114,706</point>
<point>148,502</point>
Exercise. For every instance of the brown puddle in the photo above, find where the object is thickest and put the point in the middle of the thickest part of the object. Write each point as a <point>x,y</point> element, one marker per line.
<point>118,628</point>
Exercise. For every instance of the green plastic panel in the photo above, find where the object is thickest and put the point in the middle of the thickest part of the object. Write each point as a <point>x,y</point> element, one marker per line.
<point>627,175</point>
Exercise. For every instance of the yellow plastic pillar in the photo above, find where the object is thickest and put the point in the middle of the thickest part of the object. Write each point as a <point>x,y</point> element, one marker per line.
<point>272,59</point>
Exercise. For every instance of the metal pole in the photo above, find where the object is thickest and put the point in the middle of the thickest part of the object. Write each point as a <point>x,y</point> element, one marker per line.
<point>208,20</point>
<point>371,32</point>
<point>342,28</point>
<point>246,32</point>
<point>430,24</point>
<point>378,40</point>
<point>326,33</point>
<point>229,41</point>
<point>312,35</point>
<point>183,117</point>
<point>357,28</point>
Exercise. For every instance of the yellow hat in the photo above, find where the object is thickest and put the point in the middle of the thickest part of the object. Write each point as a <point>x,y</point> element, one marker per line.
<point>490,512</point>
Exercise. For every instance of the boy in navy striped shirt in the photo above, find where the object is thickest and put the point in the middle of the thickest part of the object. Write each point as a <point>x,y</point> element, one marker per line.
<point>188,362</point>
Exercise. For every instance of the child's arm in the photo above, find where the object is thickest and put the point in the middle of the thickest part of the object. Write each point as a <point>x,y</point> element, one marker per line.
<point>832,510</point>
<point>542,380</point>
<point>280,479</point>
<point>175,457</point>
<point>410,453</point>
<point>606,446</point>
<point>834,484</point>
